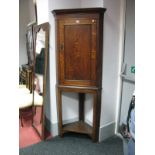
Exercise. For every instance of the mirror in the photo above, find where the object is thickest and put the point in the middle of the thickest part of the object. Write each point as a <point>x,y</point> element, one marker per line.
<point>25,83</point>
<point>41,35</point>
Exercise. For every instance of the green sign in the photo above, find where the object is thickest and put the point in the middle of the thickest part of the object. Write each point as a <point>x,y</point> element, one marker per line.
<point>133,69</point>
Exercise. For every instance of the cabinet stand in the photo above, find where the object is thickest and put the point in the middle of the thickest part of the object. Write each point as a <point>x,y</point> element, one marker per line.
<point>81,126</point>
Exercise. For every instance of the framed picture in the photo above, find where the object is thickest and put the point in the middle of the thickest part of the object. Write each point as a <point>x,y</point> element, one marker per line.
<point>30,43</point>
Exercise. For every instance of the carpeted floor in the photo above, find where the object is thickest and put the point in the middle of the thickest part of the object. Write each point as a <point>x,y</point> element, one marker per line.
<point>27,134</point>
<point>75,144</point>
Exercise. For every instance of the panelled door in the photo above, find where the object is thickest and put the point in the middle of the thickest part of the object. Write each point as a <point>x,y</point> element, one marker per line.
<point>77,51</point>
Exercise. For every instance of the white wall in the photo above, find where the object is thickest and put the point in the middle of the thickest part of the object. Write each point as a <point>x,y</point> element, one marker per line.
<point>61,4</point>
<point>26,15</point>
<point>23,21</point>
<point>110,61</point>
<point>31,9</point>
<point>129,59</point>
<point>91,3</point>
<point>42,11</point>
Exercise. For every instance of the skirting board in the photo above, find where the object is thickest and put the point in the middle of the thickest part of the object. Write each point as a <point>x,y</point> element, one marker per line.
<point>53,128</point>
<point>107,131</point>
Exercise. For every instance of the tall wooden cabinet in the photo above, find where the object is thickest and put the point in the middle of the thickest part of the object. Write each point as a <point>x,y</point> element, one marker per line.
<point>79,37</point>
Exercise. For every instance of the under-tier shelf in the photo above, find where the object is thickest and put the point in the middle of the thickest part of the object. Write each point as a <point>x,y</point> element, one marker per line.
<point>78,127</point>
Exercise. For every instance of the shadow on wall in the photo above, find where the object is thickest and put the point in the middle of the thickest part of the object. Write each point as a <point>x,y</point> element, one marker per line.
<point>89,109</point>
<point>47,109</point>
<point>70,106</point>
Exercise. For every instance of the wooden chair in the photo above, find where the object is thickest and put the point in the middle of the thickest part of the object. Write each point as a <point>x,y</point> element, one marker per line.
<point>38,102</point>
<point>25,102</point>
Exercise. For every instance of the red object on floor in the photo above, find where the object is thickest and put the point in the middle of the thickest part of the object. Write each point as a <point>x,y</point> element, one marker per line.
<point>28,135</point>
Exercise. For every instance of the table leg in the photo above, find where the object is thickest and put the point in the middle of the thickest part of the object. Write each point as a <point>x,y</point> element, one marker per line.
<point>60,111</point>
<point>81,106</point>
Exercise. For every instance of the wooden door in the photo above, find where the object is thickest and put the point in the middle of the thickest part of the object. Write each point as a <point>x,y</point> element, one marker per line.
<point>77,52</point>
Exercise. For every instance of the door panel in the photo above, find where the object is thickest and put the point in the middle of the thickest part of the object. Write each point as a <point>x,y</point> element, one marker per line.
<point>78,52</point>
